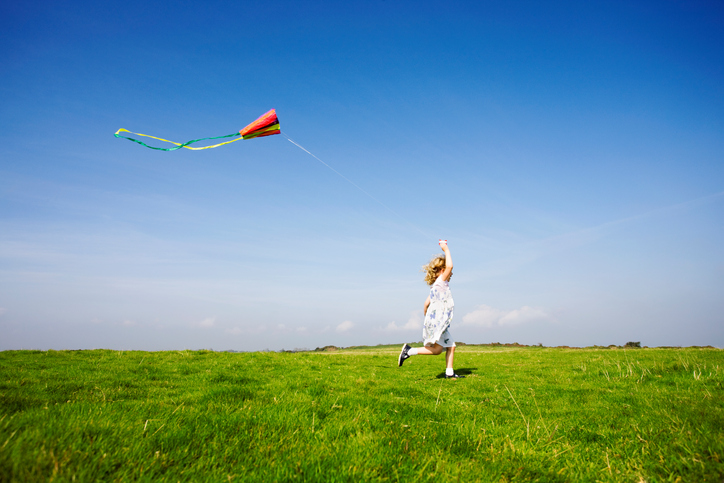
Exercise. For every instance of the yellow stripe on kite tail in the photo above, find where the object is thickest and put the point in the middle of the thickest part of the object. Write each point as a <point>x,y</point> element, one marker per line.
<point>216,145</point>
<point>178,145</point>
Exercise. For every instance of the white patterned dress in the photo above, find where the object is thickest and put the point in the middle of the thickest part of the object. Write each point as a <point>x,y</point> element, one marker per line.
<point>438,316</point>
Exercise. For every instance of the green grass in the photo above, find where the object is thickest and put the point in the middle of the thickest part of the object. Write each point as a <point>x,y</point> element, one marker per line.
<point>521,414</point>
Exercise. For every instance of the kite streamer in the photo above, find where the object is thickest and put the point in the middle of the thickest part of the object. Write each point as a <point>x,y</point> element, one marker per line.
<point>266,125</point>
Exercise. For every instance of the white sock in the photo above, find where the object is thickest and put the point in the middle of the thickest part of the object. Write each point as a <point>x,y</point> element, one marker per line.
<point>449,371</point>
<point>412,352</point>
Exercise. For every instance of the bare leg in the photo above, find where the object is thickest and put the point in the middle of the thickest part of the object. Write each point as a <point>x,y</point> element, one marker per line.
<point>449,356</point>
<point>430,351</point>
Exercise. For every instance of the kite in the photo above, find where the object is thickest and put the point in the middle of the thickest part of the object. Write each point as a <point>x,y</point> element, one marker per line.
<point>266,125</point>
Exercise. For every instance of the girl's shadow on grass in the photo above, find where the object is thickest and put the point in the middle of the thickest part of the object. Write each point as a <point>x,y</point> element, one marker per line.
<point>464,371</point>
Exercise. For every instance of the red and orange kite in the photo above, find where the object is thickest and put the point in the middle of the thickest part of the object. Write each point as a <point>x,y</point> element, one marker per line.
<point>266,125</point>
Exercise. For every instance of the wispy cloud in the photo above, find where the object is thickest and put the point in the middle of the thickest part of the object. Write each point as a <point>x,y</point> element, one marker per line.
<point>345,326</point>
<point>236,330</point>
<point>486,316</point>
<point>208,322</point>
<point>518,252</point>
<point>413,323</point>
<point>129,323</point>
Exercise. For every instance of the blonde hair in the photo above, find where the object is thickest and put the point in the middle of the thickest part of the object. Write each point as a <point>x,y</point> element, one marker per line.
<point>434,268</point>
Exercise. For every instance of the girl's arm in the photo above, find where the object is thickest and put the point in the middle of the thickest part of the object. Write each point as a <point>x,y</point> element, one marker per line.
<point>448,261</point>
<point>427,304</point>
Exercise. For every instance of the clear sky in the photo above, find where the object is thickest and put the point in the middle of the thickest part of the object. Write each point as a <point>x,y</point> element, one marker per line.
<point>571,152</point>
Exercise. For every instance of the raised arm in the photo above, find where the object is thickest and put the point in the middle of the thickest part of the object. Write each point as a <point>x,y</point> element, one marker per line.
<point>448,261</point>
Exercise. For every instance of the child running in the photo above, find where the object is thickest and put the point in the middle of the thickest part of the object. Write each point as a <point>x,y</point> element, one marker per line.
<point>438,313</point>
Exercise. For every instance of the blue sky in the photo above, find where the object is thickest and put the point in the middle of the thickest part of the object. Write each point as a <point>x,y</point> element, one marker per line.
<point>571,152</point>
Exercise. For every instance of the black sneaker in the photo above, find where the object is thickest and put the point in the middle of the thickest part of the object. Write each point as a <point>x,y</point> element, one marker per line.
<point>403,354</point>
<point>454,376</point>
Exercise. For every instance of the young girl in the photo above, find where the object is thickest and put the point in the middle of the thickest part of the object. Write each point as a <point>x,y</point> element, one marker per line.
<point>438,313</point>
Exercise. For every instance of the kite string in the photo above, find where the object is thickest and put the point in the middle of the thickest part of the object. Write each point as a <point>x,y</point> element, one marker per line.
<point>427,235</point>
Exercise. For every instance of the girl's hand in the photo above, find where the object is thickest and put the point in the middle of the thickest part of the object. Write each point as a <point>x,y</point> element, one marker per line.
<point>443,244</point>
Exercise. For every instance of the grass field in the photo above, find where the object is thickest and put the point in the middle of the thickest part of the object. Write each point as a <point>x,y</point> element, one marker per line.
<point>521,414</point>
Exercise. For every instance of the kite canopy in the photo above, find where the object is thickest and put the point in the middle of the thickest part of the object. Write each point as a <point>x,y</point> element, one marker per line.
<point>266,125</point>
